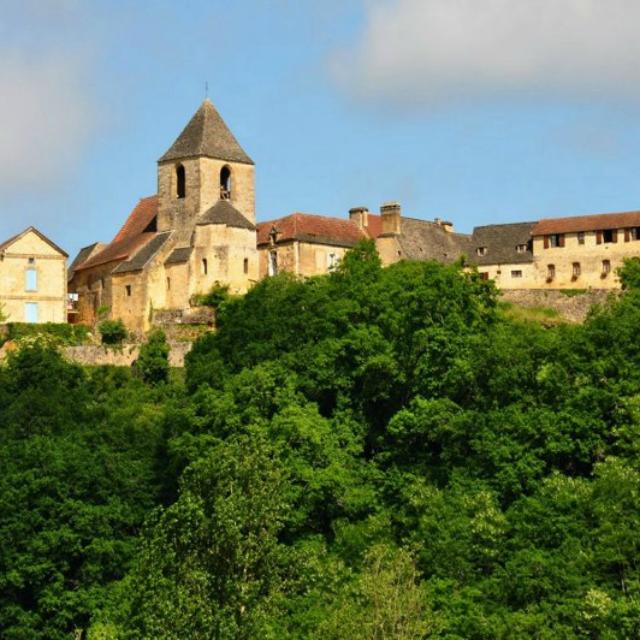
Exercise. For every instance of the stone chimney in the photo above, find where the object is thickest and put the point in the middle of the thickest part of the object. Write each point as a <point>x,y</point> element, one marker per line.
<point>359,215</point>
<point>445,224</point>
<point>390,213</point>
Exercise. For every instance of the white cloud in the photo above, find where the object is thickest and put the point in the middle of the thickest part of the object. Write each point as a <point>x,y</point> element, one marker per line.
<point>430,52</point>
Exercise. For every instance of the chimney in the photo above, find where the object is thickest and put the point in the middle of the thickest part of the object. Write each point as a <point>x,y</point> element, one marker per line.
<point>445,224</point>
<point>359,215</point>
<point>390,212</point>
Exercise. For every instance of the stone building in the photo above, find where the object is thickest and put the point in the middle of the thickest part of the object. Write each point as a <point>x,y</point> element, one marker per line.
<point>200,230</point>
<point>33,278</point>
<point>197,231</point>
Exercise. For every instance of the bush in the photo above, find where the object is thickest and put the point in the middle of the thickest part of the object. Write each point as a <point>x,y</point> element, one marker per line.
<point>112,331</point>
<point>153,362</point>
<point>56,333</point>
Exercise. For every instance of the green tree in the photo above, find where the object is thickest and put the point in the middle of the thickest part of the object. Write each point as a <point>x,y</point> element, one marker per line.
<point>153,360</point>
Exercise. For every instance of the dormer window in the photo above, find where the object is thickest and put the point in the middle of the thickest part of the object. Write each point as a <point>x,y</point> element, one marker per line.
<point>181,182</point>
<point>225,183</point>
<point>481,251</point>
<point>521,248</point>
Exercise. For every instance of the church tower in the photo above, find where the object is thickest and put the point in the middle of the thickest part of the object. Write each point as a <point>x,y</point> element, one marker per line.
<point>204,167</point>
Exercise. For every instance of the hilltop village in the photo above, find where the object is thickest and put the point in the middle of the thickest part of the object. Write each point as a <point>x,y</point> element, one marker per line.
<point>200,230</point>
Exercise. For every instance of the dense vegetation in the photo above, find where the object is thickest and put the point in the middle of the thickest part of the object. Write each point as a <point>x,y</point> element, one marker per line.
<point>379,453</point>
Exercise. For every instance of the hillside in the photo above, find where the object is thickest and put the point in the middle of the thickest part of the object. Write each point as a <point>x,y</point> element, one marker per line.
<point>377,453</point>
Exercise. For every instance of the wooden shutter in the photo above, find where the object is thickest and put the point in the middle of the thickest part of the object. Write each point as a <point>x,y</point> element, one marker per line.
<point>561,240</point>
<point>598,237</point>
<point>626,235</point>
<point>614,235</point>
<point>546,242</point>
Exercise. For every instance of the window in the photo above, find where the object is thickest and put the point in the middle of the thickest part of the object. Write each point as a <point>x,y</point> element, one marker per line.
<point>576,271</point>
<point>168,284</point>
<point>225,183</point>
<point>554,240</point>
<point>521,248</point>
<point>31,261</point>
<point>607,235</point>
<point>127,289</point>
<point>332,261</point>
<point>551,272</point>
<point>580,237</point>
<point>31,312</point>
<point>481,251</point>
<point>484,275</point>
<point>245,265</point>
<point>181,182</point>
<point>273,263</point>
<point>31,280</point>
<point>606,268</point>
<point>516,274</point>
<point>205,267</point>
<point>632,234</point>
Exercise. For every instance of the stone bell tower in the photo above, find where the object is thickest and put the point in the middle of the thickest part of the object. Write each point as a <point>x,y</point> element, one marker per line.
<point>204,166</point>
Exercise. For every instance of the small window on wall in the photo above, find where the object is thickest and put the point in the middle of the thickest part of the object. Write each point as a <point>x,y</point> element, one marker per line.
<point>273,263</point>
<point>551,272</point>
<point>168,284</point>
<point>225,183</point>
<point>127,290</point>
<point>576,271</point>
<point>607,235</point>
<point>516,273</point>
<point>205,267</point>
<point>245,265</point>
<point>632,234</point>
<point>484,275</point>
<point>332,261</point>
<point>31,312</point>
<point>31,280</point>
<point>580,237</point>
<point>606,268</point>
<point>31,261</point>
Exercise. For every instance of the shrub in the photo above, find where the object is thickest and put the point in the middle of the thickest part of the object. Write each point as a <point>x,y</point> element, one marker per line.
<point>112,331</point>
<point>153,362</point>
<point>55,333</point>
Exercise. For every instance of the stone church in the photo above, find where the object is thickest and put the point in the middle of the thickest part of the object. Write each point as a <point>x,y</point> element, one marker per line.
<point>200,229</point>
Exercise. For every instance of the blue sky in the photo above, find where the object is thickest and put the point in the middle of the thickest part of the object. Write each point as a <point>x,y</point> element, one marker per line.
<point>477,111</point>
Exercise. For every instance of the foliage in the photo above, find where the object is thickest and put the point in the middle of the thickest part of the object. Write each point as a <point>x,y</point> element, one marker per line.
<point>57,333</point>
<point>376,453</point>
<point>112,332</point>
<point>629,273</point>
<point>215,298</point>
<point>153,361</point>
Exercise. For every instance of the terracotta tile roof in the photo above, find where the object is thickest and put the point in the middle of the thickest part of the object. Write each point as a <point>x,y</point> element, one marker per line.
<point>587,223</point>
<point>132,236</point>
<point>374,225</point>
<point>312,228</point>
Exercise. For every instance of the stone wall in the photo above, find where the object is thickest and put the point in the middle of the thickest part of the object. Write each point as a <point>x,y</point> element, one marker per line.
<point>125,356</point>
<point>573,308</point>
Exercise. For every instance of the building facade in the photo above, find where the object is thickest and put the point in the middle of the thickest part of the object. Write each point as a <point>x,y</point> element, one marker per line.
<point>33,279</point>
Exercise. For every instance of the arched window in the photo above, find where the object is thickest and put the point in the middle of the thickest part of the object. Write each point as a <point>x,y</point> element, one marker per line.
<point>225,182</point>
<point>181,186</point>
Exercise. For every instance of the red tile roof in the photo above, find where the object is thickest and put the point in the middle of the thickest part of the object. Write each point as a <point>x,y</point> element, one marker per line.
<point>312,228</point>
<point>595,222</point>
<point>131,237</point>
<point>374,225</point>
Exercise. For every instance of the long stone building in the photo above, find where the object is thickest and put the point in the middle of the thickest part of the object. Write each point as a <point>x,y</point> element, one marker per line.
<point>200,230</point>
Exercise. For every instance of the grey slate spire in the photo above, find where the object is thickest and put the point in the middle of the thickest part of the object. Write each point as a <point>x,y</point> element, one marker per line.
<point>206,134</point>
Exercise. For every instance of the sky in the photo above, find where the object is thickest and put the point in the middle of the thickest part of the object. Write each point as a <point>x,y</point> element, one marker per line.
<point>475,111</point>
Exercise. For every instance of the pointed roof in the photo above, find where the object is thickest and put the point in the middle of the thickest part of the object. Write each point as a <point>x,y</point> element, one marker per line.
<point>224,212</point>
<point>206,134</point>
<point>7,243</point>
